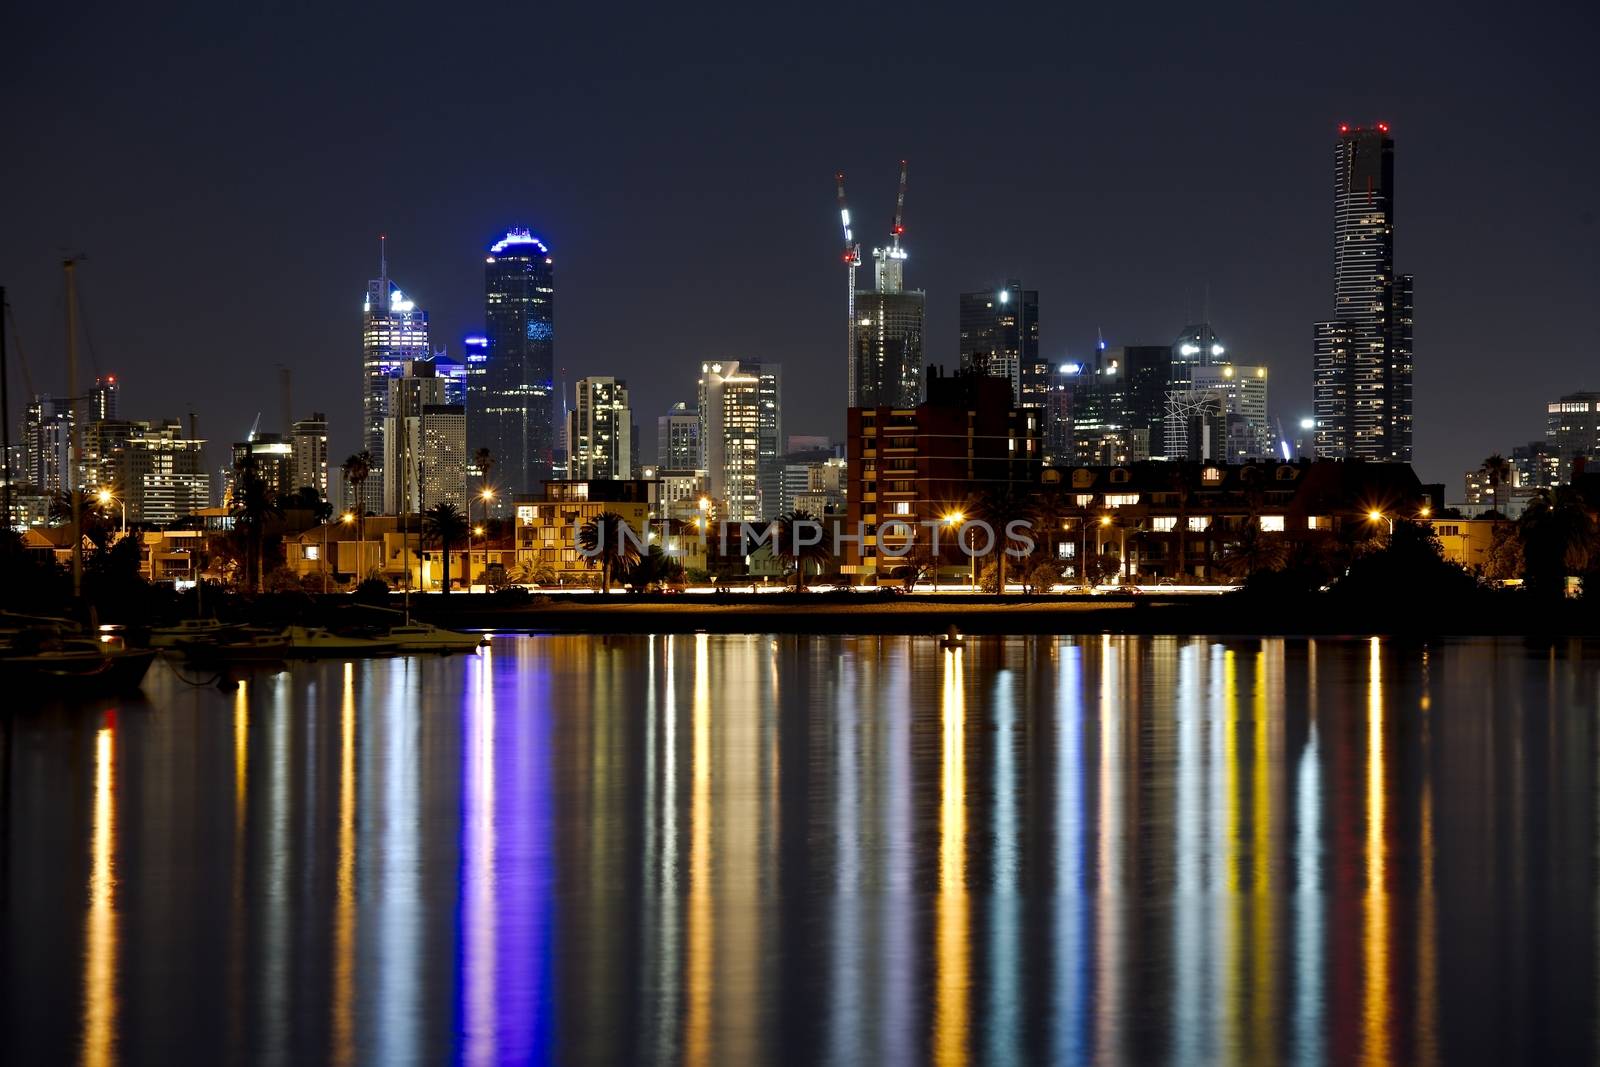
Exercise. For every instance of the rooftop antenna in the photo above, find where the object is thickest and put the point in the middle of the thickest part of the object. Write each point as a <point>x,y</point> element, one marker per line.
<point>383,256</point>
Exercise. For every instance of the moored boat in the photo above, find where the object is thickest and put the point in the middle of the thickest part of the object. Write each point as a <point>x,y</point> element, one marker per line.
<point>424,637</point>
<point>306,642</point>
<point>188,631</point>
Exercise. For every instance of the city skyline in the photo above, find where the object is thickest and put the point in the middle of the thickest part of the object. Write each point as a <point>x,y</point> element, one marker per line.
<point>1130,243</point>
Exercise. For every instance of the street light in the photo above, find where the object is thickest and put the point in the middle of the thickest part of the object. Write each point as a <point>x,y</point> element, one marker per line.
<point>1425,512</point>
<point>955,518</point>
<point>105,498</point>
<point>1378,516</point>
<point>487,496</point>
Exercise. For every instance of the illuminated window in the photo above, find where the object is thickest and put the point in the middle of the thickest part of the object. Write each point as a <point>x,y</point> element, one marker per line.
<point>1272,523</point>
<point>1199,523</point>
<point>1120,500</point>
<point>1317,522</point>
<point>1164,523</point>
<point>1211,475</point>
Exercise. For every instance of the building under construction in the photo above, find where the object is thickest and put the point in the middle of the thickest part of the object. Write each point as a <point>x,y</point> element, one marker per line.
<point>886,321</point>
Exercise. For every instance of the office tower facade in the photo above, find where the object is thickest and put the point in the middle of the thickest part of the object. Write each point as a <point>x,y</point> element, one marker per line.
<point>510,407</point>
<point>1100,412</point>
<point>1196,347</point>
<point>271,457</point>
<point>1000,337</point>
<point>887,341</point>
<point>1243,433</point>
<point>393,331</point>
<point>678,439</point>
<point>308,441</point>
<point>1066,381</point>
<point>741,425</point>
<point>1536,465</point>
<point>1572,428</point>
<point>415,394</point>
<point>600,430</point>
<point>1362,357</point>
<point>1146,380</point>
<point>159,473</point>
<point>443,474</point>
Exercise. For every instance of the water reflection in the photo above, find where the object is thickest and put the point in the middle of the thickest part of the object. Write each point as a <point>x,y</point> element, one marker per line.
<point>950,904</point>
<point>820,850</point>
<point>100,925</point>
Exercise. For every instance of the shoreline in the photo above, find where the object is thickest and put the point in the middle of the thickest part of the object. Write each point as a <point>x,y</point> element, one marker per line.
<point>1012,615</point>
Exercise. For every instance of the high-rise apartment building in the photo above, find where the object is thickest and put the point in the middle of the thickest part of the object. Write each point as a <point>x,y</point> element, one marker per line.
<point>426,441</point>
<point>886,345</point>
<point>678,439</point>
<point>741,427</point>
<point>159,473</point>
<point>1536,465</point>
<point>272,459</point>
<point>600,430</point>
<point>510,406</point>
<point>1572,427</point>
<point>308,441</point>
<point>910,469</point>
<point>1362,358</point>
<point>393,331</point>
<point>1000,337</point>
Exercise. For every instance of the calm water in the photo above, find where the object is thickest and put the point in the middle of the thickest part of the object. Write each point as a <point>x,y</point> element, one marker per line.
<point>731,850</point>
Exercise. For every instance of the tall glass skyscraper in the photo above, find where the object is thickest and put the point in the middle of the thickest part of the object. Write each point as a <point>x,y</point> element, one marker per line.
<point>1362,361</point>
<point>393,331</point>
<point>886,358</point>
<point>509,404</point>
<point>1000,337</point>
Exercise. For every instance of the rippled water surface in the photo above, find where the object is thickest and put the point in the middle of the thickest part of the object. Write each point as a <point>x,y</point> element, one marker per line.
<point>816,849</point>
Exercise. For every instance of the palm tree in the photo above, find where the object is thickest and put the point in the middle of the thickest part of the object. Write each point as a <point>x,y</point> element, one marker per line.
<point>444,523</point>
<point>1558,539</point>
<point>1255,551</point>
<point>608,539</point>
<point>356,468</point>
<point>1497,472</point>
<point>999,506</point>
<point>787,547</point>
<point>252,507</point>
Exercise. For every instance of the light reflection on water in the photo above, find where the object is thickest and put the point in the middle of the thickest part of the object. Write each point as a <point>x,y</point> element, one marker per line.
<point>740,849</point>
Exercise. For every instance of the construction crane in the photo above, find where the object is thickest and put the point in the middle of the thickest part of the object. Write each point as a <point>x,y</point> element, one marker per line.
<point>852,258</point>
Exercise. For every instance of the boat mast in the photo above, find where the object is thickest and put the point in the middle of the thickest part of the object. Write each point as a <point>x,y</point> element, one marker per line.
<point>5,410</point>
<point>69,477</point>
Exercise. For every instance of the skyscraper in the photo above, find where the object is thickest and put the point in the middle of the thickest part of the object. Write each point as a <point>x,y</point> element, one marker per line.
<point>1197,346</point>
<point>308,438</point>
<point>887,358</point>
<point>1572,427</point>
<point>1000,337</point>
<point>509,406</point>
<point>1362,360</point>
<point>678,439</point>
<point>393,330</point>
<point>426,438</point>
<point>741,430</point>
<point>600,430</point>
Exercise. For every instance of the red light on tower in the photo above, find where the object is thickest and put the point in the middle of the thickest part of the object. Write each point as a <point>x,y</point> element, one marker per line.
<point>1383,127</point>
<point>1344,127</point>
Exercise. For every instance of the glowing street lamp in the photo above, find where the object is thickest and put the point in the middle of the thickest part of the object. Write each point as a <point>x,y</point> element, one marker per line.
<point>1378,516</point>
<point>105,498</point>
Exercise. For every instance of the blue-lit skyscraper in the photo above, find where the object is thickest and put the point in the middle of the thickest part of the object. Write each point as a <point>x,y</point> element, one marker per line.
<point>509,404</point>
<point>393,330</point>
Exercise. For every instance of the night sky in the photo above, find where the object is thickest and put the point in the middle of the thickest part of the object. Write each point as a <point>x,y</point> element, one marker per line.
<point>227,172</point>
